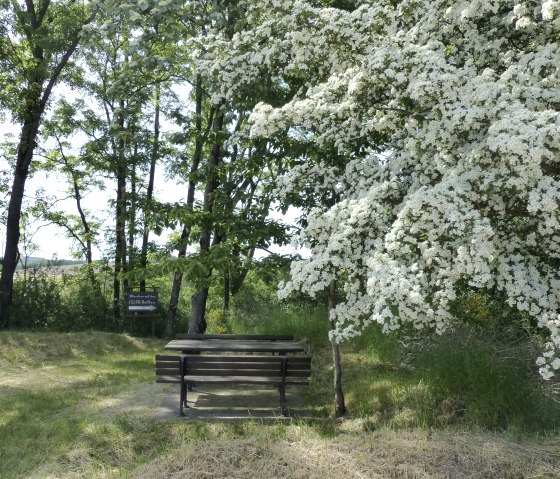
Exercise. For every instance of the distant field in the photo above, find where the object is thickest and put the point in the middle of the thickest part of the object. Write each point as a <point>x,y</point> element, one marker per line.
<point>35,262</point>
<point>82,405</point>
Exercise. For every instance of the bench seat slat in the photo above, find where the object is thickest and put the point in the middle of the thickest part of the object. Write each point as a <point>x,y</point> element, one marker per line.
<point>242,380</point>
<point>219,358</point>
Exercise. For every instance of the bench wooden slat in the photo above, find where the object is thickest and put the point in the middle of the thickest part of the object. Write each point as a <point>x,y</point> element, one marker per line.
<point>237,369</point>
<point>241,380</point>
<point>232,372</point>
<point>233,366</point>
<point>242,337</point>
<point>245,358</point>
<point>167,370</point>
<point>168,379</point>
<point>305,360</point>
<point>168,357</point>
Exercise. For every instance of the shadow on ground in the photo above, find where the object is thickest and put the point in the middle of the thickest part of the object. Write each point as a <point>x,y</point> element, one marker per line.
<point>212,402</point>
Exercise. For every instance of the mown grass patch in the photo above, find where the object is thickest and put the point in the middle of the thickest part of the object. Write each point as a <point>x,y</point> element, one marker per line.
<point>49,382</point>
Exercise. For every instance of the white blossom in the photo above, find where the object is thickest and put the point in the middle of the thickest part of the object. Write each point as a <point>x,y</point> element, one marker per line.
<point>462,98</point>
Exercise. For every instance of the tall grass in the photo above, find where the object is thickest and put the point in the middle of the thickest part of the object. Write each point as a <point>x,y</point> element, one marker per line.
<point>493,385</point>
<point>257,310</point>
<point>461,379</point>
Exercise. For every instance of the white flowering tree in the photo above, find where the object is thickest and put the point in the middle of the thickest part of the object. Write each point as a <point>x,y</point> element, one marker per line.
<point>448,114</point>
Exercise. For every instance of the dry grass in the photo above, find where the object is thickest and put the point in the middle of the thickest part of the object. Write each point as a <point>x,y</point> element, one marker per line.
<point>378,454</point>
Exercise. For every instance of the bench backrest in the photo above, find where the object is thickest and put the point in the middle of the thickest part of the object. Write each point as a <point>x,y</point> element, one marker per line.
<point>169,368</point>
<point>289,367</point>
<point>243,337</point>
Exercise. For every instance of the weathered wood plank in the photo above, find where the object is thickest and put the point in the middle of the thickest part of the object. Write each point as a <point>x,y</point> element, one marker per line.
<point>256,337</point>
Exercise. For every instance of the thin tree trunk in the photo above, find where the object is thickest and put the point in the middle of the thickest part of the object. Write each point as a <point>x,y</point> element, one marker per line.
<point>240,278</point>
<point>185,234</point>
<point>339,404</point>
<point>87,241</point>
<point>120,223</point>
<point>131,214</point>
<point>120,244</point>
<point>226,291</point>
<point>150,191</point>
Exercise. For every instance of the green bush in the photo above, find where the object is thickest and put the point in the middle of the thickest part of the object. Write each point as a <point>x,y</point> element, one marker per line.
<point>47,299</point>
<point>218,321</point>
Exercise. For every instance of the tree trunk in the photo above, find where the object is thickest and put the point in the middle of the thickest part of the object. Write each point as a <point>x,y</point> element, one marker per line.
<point>197,322</point>
<point>176,286</point>
<point>36,102</point>
<point>150,191</point>
<point>339,405</point>
<point>87,243</point>
<point>131,205</point>
<point>185,234</point>
<point>120,244</point>
<point>240,278</point>
<point>226,291</point>
<point>120,222</point>
<point>11,252</point>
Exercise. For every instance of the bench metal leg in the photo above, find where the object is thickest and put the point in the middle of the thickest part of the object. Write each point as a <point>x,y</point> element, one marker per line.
<point>283,409</point>
<point>183,398</point>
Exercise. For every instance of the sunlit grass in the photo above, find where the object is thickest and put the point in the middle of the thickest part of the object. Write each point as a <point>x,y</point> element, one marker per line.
<point>48,383</point>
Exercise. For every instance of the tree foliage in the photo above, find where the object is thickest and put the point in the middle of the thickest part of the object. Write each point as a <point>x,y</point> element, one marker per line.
<point>448,116</point>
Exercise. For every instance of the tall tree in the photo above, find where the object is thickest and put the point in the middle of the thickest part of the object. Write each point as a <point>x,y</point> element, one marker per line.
<point>38,39</point>
<point>200,140</point>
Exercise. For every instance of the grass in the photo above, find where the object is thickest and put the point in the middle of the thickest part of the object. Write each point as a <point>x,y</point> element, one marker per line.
<point>82,405</point>
<point>52,382</point>
<point>465,378</point>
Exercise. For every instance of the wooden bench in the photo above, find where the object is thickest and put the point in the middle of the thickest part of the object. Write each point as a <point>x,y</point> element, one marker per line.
<point>242,337</point>
<point>277,371</point>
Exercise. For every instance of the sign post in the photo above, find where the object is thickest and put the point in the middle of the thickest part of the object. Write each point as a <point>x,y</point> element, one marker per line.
<point>142,304</point>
